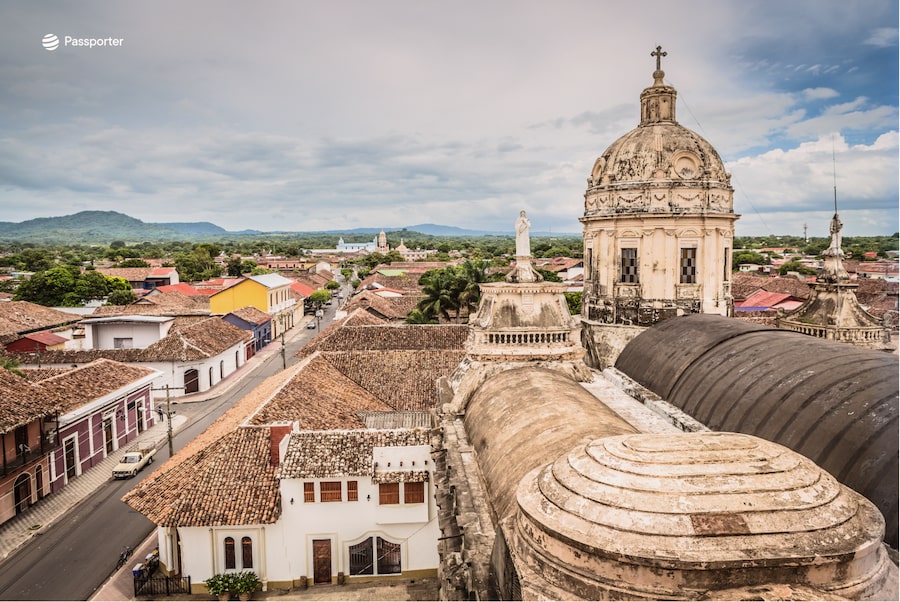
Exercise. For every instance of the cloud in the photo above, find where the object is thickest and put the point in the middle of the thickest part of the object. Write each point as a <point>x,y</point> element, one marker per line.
<point>779,190</point>
<point>322,116</point>
<point>883,37</point>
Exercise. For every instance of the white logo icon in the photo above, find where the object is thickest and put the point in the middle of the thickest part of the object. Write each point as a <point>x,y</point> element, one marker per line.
<point>51,42</point>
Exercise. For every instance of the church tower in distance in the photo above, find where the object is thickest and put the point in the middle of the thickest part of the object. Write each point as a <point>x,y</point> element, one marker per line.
<point>658,228</point>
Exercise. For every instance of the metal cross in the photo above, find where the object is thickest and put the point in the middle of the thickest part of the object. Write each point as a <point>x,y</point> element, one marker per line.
<point>658,54</point>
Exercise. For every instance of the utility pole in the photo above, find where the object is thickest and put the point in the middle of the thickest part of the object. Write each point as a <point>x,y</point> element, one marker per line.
<point>167,389</point>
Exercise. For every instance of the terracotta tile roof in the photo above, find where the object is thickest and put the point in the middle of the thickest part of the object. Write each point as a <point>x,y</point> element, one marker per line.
<point>763,300</point>
<point>193,341</point>
<point>302,289</point>
<point>222,477</point>
<point>448,337</point>
<point>229,482</point>
<point>160,304</point>
<point>405,380</point>
<point>22,402</point>
<point>320,397</point>
<point>404,282</point>
<point>36,375</point>
<point>203,339</point>
<point>252,315</point>
<point>743,285</point>
<point>786,284</point>
<point>19,317</point>
<point>46,338</point>
<point>79,386</point>
<point>397,420</point>
<point>342,454</point>
<point>391,308</point>
<point>360,317</point>
<point>182,287</point>
<point>129,274</point>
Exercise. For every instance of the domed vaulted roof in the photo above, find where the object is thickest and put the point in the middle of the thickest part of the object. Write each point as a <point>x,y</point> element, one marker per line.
<point>834,403</point>
<point>639,516</point>
<point>660,166</point>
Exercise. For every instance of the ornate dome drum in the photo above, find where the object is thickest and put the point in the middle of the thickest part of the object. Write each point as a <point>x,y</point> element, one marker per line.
<point>658,224</point>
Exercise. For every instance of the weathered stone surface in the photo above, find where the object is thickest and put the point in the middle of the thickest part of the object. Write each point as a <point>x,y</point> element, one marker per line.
<point>680,516</point>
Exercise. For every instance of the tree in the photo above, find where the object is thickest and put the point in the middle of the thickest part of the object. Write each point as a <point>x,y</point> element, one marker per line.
<point>199,263</point>
<point>66,286</point>
<point>234,267</point>
<point>470,275</point>
<point>440,299</point>
<point>320,298</point>
<point>748,257</point>
<point>35,260</point>
<point>573,300</point>
<point>418,317</point>
<point>120,297</point>
<point>48,287</point>
<point>332,285</point>
<point>795,266</point>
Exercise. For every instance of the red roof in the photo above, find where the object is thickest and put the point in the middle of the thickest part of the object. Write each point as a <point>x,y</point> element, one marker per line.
<point>302,289</point>
<point>45,338</point>
<point>762,299</point>
<point>162,272</point>
<point>181,287</point>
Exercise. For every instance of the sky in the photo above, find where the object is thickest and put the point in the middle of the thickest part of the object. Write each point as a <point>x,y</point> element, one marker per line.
<point>328,115</point>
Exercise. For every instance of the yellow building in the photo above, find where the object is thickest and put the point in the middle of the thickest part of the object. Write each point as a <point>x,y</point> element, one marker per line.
<point>270,293</point>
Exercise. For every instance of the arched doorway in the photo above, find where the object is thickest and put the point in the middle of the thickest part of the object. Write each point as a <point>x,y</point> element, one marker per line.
<point>23,492</point>
<point>191,380</point>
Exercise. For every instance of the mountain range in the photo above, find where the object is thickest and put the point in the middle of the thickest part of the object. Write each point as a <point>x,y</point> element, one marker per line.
<point>103,227</point>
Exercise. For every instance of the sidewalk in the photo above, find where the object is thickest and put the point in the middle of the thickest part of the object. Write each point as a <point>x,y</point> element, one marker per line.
<point>34,521</point>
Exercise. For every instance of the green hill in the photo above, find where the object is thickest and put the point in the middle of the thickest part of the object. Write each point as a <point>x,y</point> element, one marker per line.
<point>101,227</point>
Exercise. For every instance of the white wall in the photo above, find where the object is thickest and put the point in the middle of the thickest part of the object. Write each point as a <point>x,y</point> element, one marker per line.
<point>142,335</point>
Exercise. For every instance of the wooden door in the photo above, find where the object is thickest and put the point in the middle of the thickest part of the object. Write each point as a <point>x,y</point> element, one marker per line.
<point>108,435</point>
<point>69,455</point>
<point>191,381</point>
<point>321,561</point>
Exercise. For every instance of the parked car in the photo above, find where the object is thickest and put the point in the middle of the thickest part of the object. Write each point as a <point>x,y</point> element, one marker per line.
<point>311,325</point>
<point>132,463</point>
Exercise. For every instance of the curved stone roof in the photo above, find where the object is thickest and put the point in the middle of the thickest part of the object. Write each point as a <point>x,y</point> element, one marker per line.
<point>527,417</point>
<point>647,516</point>
<point>834,403</point>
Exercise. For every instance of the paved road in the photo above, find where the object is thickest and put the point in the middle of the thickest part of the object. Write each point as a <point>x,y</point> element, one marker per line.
<point>78,553</point>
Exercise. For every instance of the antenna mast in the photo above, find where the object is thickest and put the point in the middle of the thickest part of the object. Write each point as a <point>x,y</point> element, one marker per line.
<point>834,173</point>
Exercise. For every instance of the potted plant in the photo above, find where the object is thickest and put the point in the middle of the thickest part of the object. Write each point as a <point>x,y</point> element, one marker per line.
<point>245,583</point>
<point>220,585</point>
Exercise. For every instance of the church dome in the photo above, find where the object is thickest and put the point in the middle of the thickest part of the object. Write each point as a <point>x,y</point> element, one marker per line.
<point>659,166</point>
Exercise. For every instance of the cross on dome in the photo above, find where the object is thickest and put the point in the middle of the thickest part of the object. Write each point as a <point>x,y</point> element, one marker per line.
<point>659,73</point>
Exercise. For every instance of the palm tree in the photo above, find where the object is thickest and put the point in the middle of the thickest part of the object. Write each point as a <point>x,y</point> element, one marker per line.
<point>470,275</point>
<point>418,317</point>
<point>439,299</point>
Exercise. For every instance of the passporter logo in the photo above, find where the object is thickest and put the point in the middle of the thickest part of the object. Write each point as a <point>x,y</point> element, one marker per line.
<point>51,42</point>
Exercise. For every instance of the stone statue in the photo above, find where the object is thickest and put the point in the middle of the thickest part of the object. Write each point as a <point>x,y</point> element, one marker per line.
<point>523,243</point>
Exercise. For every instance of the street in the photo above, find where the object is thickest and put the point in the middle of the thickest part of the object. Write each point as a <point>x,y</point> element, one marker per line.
<point>79,551</point>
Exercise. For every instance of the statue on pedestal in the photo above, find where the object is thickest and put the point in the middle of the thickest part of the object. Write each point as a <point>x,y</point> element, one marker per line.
<point>523,243</point>
<point>523,270</point>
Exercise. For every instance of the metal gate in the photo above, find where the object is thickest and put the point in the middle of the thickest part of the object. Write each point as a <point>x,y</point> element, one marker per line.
<point>161,586</point>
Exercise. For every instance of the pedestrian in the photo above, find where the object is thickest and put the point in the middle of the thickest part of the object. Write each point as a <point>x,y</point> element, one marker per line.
<point>159,412</point>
